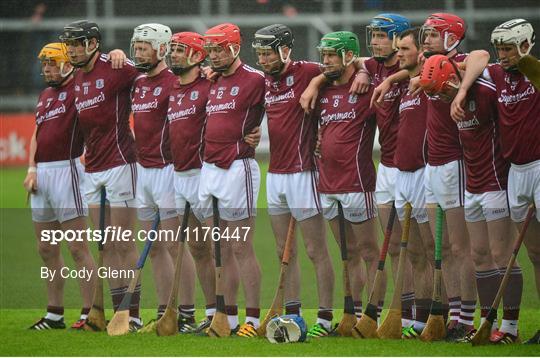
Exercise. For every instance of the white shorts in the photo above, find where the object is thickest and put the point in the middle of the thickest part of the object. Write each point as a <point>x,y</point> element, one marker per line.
<point>524,189</point>
<point>357,207</point>
<point>445,184</point>
<point>59,195</point>
<point>489,206</point>
<point>386,183</point>
<point>295,193</point>
<point>155,189</point>
<point>236,188</point>
<point>186,188</point>
<point>120,184</point>
<point>410,189</point>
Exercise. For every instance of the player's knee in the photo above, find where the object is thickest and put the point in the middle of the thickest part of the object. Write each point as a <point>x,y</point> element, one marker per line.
<point>369,251</point>
<point>481,255</point>
<point>534,254</point>
<point>416,256</point>
<point>79,253</point>
<point>199,252</point>
<point>48,251</point>
<point>317,253</point>
<point>393,249</point>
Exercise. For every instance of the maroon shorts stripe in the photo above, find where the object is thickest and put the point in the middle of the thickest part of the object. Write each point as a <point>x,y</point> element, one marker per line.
<point>133,169</point>
<point>249,188</point>
<point>461,183</point>
<point>314,191</point>
<point>75,187</point>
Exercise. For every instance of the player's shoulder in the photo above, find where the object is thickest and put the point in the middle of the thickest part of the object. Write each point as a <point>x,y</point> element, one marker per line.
<point>252,72</point>
<point>484,85</point>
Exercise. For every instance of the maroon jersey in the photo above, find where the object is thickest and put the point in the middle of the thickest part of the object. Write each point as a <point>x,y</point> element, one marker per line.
<point>235,106</point>
<point>485,166</point>
<point>443,137</point>
<point>103,103</point>
<point>347,131</point>
<point>58,135</point>
<point>388,111</point>
<point>292,133</point>
<point>411,142</point>
<point>187,115</point>
<point>519,113</point>
<point>149,104</point>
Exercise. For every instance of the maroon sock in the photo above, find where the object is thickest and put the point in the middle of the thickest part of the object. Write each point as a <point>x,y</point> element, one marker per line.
<point>293,307</point>
<point>117,294</point>
<point>253,312</point>
<point>454,304</point>
<point>85,310</point>
<point>512,294</point>
<point>380,306</point>
<point>231,310</point>
<point>407,302</point>
<point>59,310</point>
<point>161,310</point>
<point>487,283</point>
<point>445,312</point>
<point>135,301</point>
<point>423,306</point>
<point>358,309</point>
<point>188,312</point>
<point>326,314</point>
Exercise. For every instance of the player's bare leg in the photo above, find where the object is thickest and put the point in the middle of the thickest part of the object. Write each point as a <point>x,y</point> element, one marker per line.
<point>52,258</point>
<point>162,262</point>
<point>366,235</point>
<point>423,275</point>
<point>292,283</point>
<point>201,252</point>
<point>250,274</point>
<point>83,259</point>
<point>357,273</point>
<point>533,247</point>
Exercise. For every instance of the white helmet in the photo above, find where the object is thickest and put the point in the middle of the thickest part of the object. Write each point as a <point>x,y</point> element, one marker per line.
<point>158,36</point>
<point>515,32</point>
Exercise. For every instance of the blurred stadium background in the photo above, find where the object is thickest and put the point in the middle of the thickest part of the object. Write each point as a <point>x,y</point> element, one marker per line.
<point>28,24</point>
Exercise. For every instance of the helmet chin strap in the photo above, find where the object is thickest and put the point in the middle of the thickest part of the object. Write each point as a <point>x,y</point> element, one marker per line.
<point>179,70</point>
<point>146,67</point>
<point>56,84</point>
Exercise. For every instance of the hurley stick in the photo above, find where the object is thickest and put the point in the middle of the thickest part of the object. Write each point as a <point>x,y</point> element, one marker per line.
<point>366,327</point>
<point>220,323</point>
<point>96,317</point>
<point>391,326</point>
<point>435,328</point>
<point>119,324</point>
<point>348,321</point>
<point>276,309</point>
<point>167,324</point>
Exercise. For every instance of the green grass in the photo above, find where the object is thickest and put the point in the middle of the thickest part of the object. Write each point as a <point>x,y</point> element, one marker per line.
<point>22,301</point>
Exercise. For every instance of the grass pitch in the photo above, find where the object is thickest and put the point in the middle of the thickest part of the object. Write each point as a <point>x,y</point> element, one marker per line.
<point>22,301</point>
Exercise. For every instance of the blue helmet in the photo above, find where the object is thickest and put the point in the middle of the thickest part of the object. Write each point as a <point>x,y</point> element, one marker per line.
<point>391,24</point>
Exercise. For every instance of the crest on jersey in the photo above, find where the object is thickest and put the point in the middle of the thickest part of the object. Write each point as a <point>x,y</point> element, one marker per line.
<point>157,91</point>
<point>290,81</point>
<point>194,95</point>
<point>62,96</point>
<point>171,98</point>
<point>472,106</point>
<point>353,98</point>
<point>77,88</point>
<point>100,83</point>
<point>235,90</point>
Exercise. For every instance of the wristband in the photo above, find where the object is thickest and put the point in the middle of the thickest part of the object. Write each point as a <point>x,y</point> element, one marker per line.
<point>32,169</point>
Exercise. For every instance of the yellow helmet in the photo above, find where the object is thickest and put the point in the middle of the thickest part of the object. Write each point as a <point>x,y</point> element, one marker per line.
<point>56,51</point>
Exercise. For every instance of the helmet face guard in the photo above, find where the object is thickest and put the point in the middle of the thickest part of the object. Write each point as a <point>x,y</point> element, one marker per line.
<point>445,25</point>
<point>80,33</point>
<point>190,43</point>
<point>158,36</point>
<point>392,25</point>
<point>274,38</point>
<point>338,43</point>
<point>224,37</point>
<point>514,32</point>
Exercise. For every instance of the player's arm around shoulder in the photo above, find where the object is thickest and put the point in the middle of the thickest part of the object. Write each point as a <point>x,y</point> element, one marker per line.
<point>474,65</point>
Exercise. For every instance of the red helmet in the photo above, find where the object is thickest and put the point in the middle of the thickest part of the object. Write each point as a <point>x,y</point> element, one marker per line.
<point>447,23</point>
<point>192,41</point>
<point>435,74</point>
<point>223,35</point>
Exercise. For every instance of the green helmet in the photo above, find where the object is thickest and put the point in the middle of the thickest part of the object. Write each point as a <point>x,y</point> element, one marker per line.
<point>341,42</point>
